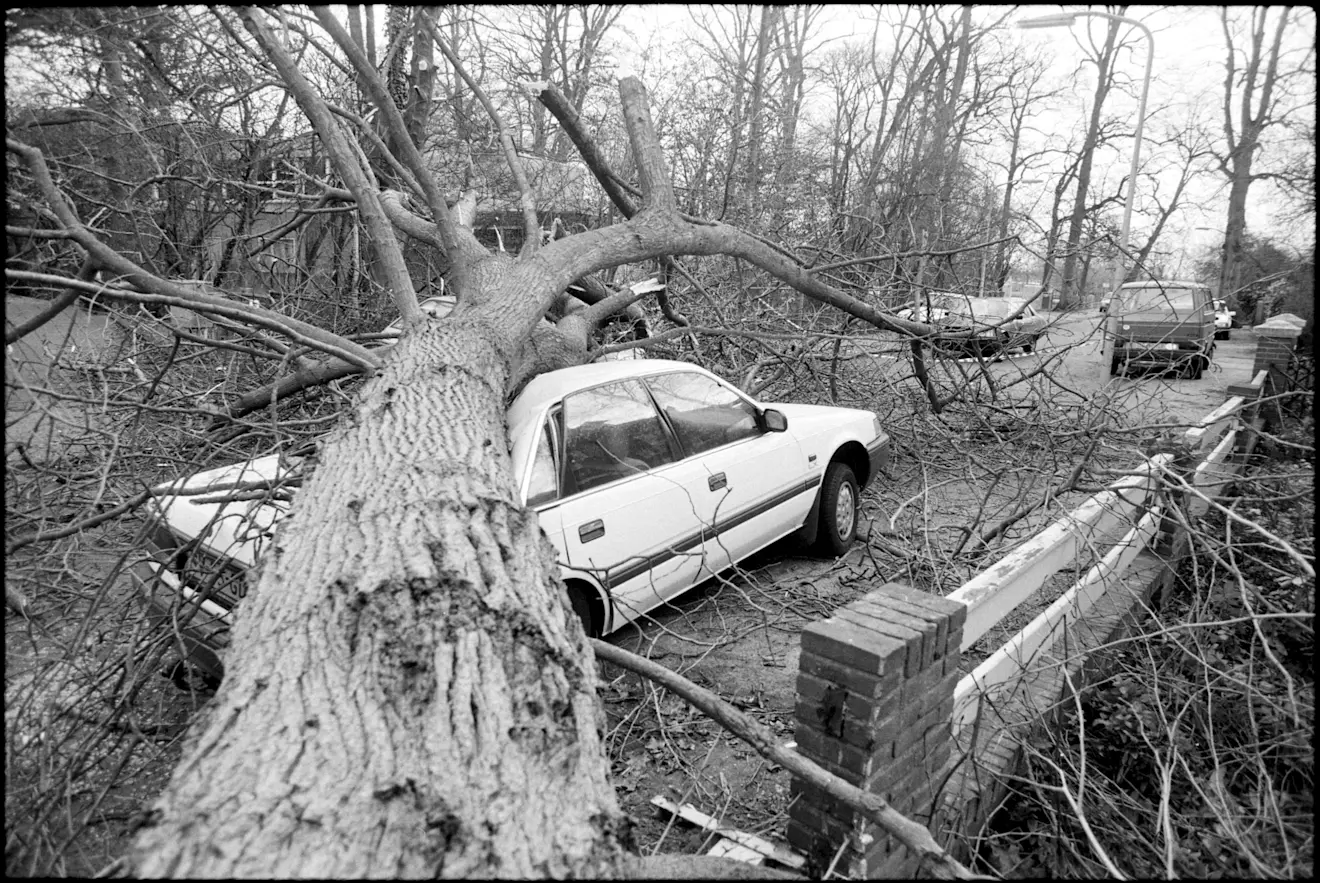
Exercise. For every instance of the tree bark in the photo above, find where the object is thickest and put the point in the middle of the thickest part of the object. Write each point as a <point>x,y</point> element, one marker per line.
<point>406,693</point>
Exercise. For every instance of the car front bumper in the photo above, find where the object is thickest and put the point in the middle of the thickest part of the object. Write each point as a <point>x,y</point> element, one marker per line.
<point>200,628</point>
<point>878,453</point>
<point>1154,354</point>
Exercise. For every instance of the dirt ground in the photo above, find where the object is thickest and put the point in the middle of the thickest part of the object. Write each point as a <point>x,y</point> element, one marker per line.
<point>737,635</point>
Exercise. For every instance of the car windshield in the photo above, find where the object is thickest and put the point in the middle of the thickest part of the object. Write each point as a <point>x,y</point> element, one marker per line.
<point>1158,300</point>
<point>982,308</point>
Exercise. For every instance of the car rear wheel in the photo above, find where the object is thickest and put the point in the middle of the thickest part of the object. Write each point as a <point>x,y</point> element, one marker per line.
<point>838,510</point>
<point>189,677</point>
<point>1197,367</point>
<point>1030,344</point>
<point>582,608</point>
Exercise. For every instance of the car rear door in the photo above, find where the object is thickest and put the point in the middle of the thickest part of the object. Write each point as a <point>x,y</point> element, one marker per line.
<point>749,485</point>
<point>626,512</point>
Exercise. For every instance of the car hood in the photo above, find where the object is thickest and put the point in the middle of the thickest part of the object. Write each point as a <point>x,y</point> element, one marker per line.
<point>237,529</point>
<point>807,416</point>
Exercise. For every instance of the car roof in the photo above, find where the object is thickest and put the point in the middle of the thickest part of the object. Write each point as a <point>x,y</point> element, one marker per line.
<point>554,385</point>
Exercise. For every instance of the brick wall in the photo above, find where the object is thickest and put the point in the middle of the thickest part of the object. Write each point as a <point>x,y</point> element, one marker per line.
<point>875,695</point>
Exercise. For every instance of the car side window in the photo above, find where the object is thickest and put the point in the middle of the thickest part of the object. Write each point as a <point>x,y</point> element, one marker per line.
<point>544,485</point>
<point>612,431</point>
<point>704,414</point>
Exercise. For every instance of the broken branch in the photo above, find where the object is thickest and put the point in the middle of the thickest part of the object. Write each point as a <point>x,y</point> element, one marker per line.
<point>912,835</point>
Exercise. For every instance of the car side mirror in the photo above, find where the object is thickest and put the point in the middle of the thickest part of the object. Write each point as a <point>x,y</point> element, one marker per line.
<point>774,420</point>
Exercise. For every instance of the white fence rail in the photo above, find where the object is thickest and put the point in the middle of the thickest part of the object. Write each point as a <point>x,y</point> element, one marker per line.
<point>1113,527</point>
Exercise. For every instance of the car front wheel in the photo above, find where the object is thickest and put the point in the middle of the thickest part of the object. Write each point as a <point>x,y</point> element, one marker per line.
<point>838,510</point>
<point>1116,363</point>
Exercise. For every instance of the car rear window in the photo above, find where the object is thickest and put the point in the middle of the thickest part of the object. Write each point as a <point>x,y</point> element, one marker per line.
<point>613,431</point>
<point>1140,300</point>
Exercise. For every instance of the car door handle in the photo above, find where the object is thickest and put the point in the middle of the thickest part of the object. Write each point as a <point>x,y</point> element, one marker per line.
<point>717,481</point>
<point>592,530</point>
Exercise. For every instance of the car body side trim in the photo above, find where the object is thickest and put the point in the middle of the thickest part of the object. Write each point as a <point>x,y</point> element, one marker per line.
<point>621,573</point>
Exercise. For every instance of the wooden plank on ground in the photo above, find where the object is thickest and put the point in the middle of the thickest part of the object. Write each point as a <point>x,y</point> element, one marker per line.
<point>690,813</point>
<point>725,848</point>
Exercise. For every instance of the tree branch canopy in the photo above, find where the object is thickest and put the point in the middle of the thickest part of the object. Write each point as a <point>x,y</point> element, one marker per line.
<point>380,234</point>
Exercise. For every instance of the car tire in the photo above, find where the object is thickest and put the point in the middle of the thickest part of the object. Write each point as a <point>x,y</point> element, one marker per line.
<point>838,510</point>
<point>1115,364</point>
<point>582,608</point>
<point>1030,344</point>
<point>1198,367</point>
<point>190,678</point>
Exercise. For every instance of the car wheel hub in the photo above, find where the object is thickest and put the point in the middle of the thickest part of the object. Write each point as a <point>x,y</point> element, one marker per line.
<point>845,511</point>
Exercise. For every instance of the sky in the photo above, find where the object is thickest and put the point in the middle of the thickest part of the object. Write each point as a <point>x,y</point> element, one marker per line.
<point>1188,63</point>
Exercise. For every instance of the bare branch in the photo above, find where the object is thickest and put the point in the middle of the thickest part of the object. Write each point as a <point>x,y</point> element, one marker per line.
<point>652,170</point>
<point>379,232</point>
<point>308,335</point>
<point>531,225</point>
<point>558,105</point>
<point>457,246</point>
<point>86,273</point>
<point>912,835</point>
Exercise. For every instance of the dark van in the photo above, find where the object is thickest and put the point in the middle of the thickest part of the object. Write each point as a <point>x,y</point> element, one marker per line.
<point>1163,325</point>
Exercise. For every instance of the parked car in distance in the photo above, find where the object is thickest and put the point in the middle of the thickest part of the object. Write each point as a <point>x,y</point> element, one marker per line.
<point>648,476</point>
<point>1104,303</point>
<point>998,324</point>
<point>1163,324</point>
<point>1223,320</point>
<point>932,308</point>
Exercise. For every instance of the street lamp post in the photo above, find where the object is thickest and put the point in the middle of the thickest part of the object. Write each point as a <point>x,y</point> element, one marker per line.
<point>1067,20</point>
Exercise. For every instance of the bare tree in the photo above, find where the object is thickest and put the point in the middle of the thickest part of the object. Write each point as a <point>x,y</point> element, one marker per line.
<point>1103,60</point>
<point>1256,85</point>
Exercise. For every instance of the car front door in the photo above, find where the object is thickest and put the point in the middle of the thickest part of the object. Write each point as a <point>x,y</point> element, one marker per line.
<point>750,484</point>
<point>626,513</point>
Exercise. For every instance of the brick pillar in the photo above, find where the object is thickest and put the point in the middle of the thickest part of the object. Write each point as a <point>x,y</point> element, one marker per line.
<point>874,698</point>
<point>1275,342</point>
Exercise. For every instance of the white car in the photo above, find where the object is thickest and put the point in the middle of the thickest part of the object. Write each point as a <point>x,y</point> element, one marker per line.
<point>648,476</point>
<point>1223,320</point>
